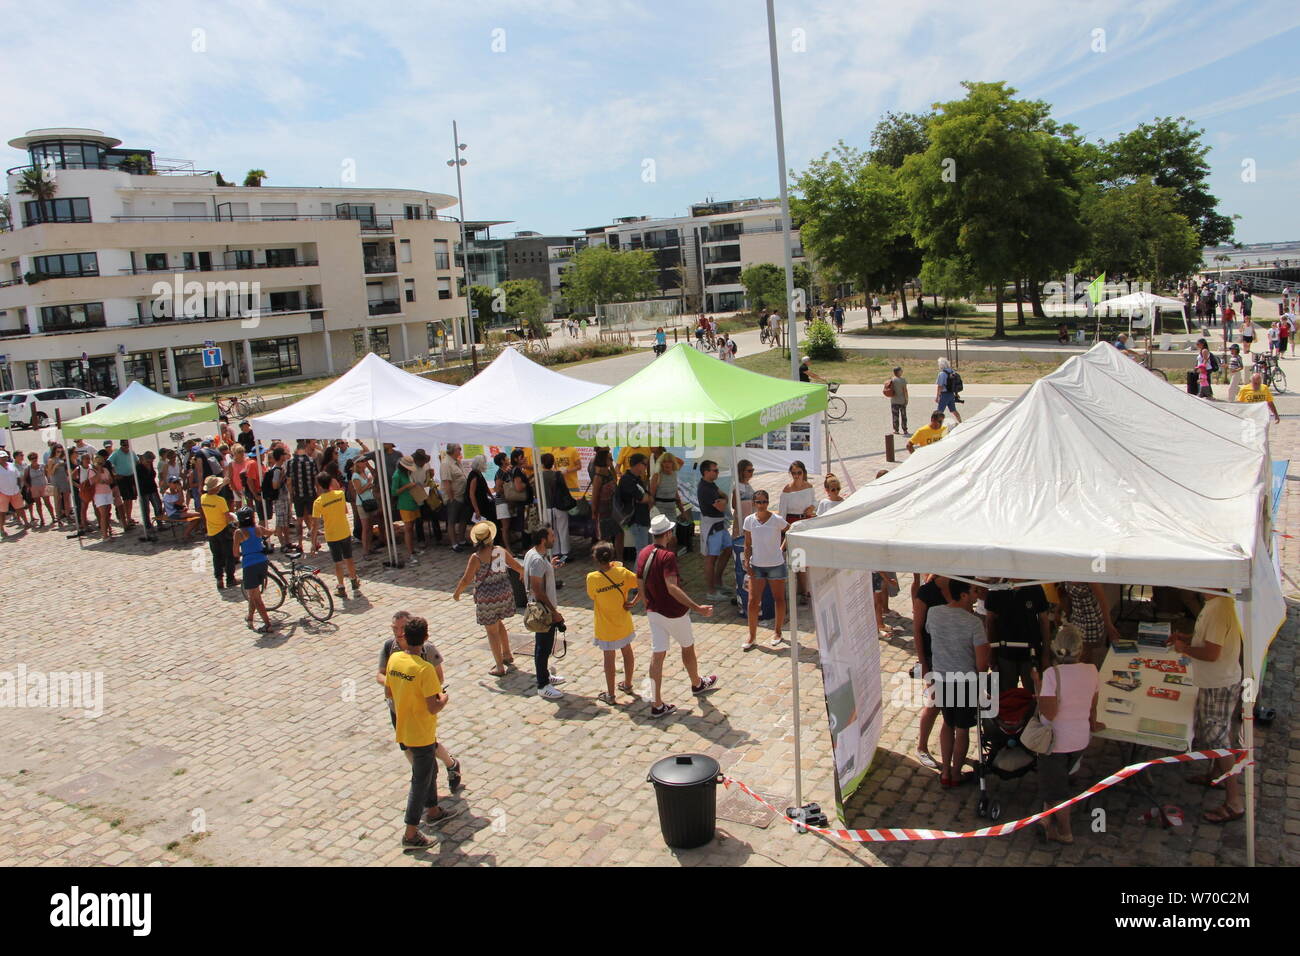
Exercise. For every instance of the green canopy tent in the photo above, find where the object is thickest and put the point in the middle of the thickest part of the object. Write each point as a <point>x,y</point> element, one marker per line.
<point>684,398</point>
<point>137,412</point>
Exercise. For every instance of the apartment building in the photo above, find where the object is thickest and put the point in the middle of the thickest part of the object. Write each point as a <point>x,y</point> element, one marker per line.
<point>531,255</point>
<point>135,263</point>
<point>701,256</point>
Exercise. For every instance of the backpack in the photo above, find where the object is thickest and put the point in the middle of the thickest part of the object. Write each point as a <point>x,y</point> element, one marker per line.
<point>954,383</point>
<point>269,491</point>
<point>1214,363</point>
<point>618,509</point>
<point>889,389</point>
<point>734,348</point>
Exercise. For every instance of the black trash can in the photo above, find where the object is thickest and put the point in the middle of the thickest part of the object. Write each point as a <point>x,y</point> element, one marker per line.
<point>686,789</point>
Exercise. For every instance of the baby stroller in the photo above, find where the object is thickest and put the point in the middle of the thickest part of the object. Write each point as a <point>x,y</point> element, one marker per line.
<point>1000,749</point>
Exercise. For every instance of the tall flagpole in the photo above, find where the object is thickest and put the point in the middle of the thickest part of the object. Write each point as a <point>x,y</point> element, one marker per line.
<point>785,195</point>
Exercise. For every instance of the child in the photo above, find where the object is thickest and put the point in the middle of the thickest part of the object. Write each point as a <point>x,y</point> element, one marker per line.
<point>252,558</point>
<point>174,509</point>
<point>613,592</point>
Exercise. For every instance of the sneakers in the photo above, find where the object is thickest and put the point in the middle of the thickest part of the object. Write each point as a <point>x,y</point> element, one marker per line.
<point>557,680</point>
<point>550,692</point>
<point>664,711</point>
<point>340,591</point>
<point>453,776</point>
<point>356,587</point>
<point>706,684</point>
<point>443,817</point>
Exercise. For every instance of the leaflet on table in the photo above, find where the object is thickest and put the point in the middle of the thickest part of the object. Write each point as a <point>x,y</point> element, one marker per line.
<point>850,659</point>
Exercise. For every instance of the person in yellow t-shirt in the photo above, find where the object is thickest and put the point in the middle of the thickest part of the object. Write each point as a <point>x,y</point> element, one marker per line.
<point>413,685</point>
<point>221,539</point>
<point>331,509</point>
<point>627,451</point>
<point>928,434</point>
<point>1257,391</point>
<point>613,592</point>
<point>567,463</point>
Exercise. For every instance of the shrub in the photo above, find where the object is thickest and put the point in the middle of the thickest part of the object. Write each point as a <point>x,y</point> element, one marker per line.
<point>821,342</point>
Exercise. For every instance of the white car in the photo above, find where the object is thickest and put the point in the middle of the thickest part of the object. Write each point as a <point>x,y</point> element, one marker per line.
<point>69,403</point>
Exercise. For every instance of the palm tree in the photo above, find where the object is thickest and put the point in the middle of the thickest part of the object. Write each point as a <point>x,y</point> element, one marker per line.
<point>255,177</point>
<point>35,183</point>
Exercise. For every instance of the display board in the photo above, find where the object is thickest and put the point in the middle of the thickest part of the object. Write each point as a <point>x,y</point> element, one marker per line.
<point>776,450</point>
<point>850,663</point>
<point>1147,697</point>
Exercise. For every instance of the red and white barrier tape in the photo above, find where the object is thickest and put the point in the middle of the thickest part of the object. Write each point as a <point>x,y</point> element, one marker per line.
<point>897,835</point>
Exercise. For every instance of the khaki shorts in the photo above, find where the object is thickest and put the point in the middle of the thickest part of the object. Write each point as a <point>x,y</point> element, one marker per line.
<point>665,630</point>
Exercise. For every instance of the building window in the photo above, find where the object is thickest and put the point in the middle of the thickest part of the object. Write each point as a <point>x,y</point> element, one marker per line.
<point>67,266</point>
<point>276,358</point>
<point>190,373</point>
<point>155,261</point>
<point>414,212</point>
<point>139,368</point>
<point>281,257</point>
<point>99,375</point>
<point>378,342</point>
<point>203,260</point>
<point>444,288</point>
<point>441,255</point>
<point>404,247</point>
<point>410,290</point>
<point>56,210</point>
<point>241,258</point>
<point>285,301</point>
<point>33,374</point>
<point>83,315</point>
<point>436,334</point>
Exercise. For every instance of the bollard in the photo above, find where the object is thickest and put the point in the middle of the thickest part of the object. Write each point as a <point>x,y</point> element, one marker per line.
<point>889,448</point>
<point>58,418</point>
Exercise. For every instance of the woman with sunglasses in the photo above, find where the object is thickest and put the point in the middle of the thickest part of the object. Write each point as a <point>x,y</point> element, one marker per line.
<point>764,564</point>
<point>798,501</point>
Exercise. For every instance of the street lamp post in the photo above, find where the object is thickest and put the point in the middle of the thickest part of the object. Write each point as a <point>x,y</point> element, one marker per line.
<point>785,202</point>
<point>457,161</point>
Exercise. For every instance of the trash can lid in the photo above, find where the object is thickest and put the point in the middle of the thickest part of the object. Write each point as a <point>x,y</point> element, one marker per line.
<point>685,770</point>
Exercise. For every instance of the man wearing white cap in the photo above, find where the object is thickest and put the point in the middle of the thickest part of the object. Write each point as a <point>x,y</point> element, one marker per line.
<point>668,609</point>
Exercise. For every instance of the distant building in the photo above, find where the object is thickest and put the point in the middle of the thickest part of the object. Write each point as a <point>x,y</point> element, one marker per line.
<point>530,255</point>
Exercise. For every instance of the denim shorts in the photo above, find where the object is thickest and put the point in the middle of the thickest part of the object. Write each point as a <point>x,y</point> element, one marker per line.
<point>775,572</point>
<point>947,402</point>
<point>719,540</point>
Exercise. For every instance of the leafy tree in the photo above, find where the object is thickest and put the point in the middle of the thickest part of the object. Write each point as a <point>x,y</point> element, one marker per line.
<point>1137,230</point>
<point>599,274</point>
<point>526,304</point>
<point>255,177</point>
<point>898,136</point>
<point>950,278</point>
<point>484,301</point>
<point>764,286</point>
<point>6,214</point>
<point>855,222</point>
<point>993,188</point>
<point>1170,152</point>
<point>33,182</point>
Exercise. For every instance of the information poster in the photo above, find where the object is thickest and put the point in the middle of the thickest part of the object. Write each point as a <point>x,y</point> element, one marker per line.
<point>850,659</point>
<point>798,441</point>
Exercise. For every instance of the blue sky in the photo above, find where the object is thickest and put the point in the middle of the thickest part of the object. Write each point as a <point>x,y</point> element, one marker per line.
<point>563,102</point>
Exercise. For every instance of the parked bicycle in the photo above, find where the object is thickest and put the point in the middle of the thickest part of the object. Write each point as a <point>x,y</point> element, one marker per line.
<point>241,406</point>
<point>836,407</point>
<point>1271,370</point>
<point>303,583</point>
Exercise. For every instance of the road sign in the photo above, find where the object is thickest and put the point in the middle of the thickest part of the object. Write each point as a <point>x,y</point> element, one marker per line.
<point>209,344</point>
<point>473,313</point>
<point>4,359</point>
<point>212,358</point>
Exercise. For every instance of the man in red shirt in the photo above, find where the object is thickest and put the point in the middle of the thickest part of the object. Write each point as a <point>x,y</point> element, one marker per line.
<point>668,610</point>
<point>245,479</point>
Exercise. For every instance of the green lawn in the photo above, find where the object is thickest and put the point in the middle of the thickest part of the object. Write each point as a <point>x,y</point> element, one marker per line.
<point>977,325</point>
<point>860,369</point>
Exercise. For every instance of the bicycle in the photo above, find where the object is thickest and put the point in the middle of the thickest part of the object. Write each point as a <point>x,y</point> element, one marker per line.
<point>836,407</point>
<point>302,582</point>
<point>241,406</point>
<point>1272,373</point>
<point>1149,364</point>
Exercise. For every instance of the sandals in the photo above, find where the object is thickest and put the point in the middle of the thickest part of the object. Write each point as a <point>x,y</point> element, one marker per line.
<point>499,673</point>
<point>605,697</point>
<point>965,778</point>
<point>626,688</point>
<point>1222,814</point>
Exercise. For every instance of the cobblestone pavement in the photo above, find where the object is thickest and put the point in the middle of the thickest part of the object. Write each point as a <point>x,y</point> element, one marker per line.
<point>217,746</point>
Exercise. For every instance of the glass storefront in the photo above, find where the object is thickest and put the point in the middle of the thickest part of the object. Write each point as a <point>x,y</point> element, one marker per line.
<point>378,343</point>
<point>100,375</point>
<point>276,358</point>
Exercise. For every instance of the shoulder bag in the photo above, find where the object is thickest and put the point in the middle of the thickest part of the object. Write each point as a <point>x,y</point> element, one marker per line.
<point>1038,735</point>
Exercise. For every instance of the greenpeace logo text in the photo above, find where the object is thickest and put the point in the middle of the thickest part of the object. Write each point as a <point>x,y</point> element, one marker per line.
<point>57,690</point>
<point>782,410</point>
<point>77,909</point>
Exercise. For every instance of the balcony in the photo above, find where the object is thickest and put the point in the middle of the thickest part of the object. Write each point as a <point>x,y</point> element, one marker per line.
<point>725,254</point>
<point>378,223</point>
<point>385,307</point>
<point>145,317</point>
<point>158,167</point>
<point>55,327</point>
<point>142,271</point>
<point>9,282</point>
<point>379,264</point>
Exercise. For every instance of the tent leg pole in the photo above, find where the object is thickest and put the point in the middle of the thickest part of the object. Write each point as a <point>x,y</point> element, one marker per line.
<point>385,505</point>
<point>826,432</point>
<point>543,513</point>
<point>792,602</point>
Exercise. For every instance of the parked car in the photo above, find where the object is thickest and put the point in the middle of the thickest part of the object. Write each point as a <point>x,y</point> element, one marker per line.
<point>44,402</point>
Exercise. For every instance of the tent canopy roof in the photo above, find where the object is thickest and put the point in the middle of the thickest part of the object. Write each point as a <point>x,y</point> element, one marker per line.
<point>1140,301</point>
<point>1100,471</point>
<point>371,391</point>
<point>137,412</point>
<point>684,394</point>
<point>498,406</point>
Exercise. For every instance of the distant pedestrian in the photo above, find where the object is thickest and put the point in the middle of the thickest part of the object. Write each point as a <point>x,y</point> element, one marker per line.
<point>896,391</point>
<point>945,389</point>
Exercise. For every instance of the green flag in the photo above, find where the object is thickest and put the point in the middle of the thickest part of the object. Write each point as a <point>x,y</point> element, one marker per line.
<point>1094,288</point>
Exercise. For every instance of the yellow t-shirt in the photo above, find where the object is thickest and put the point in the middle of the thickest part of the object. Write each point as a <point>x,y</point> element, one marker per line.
<point>215,510</point>
<point>1251,394</point>
<point>412,680</point>
<point>926,435</point>
<point>627,452</point>
<point>613,622</point>
<point>332,506</point>
<point>566,458</point>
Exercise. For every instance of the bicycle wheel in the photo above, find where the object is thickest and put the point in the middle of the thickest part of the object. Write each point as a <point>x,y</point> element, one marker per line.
<point>1161,372</point>
<point>314,597</point>
<point>836,408</point>
<point>273,589</point>
<point>256,404</point>
<point>239,408</point>
<point>1279,380</point>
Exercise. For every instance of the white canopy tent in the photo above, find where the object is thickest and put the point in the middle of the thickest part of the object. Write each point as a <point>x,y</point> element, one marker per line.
<point>1145,303</point>
<point>1099,472</point>
<point>356,405</point>
<point>498,406</point>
